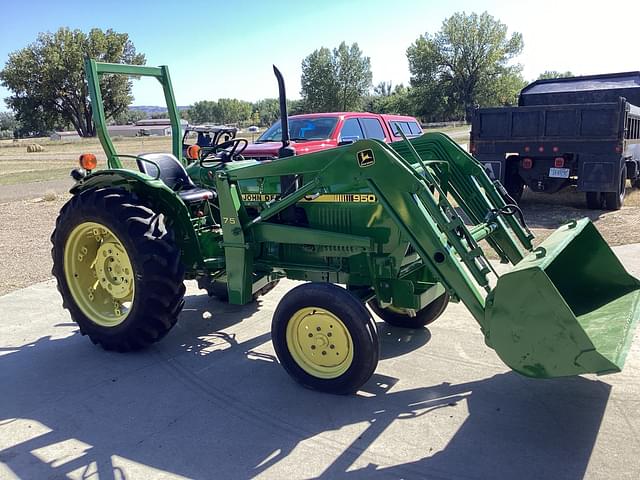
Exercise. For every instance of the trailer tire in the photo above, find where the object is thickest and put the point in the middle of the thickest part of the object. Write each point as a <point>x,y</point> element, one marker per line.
<point>118,269</point>
<point>325,338</point>
<point>615,200</point>
<point>424,317</point>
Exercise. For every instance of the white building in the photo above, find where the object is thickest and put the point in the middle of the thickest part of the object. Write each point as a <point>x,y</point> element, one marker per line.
<point>147,127</point>
<point>68,136</point>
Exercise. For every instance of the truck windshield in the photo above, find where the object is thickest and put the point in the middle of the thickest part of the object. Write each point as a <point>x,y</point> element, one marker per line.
<point>301,129</point>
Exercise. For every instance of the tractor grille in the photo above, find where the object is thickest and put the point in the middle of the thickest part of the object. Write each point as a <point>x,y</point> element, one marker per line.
<point>336,219</point>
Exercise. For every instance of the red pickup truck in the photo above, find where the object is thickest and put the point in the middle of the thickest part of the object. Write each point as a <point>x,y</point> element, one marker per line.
<point>319,131</point>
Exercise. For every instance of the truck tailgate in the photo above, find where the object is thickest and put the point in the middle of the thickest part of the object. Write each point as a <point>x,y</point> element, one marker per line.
<point>594,121</point>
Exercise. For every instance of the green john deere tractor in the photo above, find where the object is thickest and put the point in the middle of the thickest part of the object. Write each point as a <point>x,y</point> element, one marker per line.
<point>398,226</point>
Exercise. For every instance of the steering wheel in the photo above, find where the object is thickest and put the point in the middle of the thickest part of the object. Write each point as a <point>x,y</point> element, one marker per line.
<point>231,148</point>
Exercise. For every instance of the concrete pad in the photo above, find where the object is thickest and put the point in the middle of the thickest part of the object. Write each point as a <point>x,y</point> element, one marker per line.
<point>211,401</point>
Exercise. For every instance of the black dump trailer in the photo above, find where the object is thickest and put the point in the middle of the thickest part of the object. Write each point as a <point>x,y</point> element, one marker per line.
<point>582,131</point>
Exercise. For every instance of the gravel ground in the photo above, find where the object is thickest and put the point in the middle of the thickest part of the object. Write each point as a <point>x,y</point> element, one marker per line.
<point>25,251</point>
<point>544,213</point>
<point>27,224</point>
<point>29,191</point>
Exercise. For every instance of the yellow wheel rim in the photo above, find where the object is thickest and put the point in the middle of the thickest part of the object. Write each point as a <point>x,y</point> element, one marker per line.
<point>319,342</point>
<point>99,274</point>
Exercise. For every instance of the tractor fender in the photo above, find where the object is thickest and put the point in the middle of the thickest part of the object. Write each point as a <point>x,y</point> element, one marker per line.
<point>160,196</point>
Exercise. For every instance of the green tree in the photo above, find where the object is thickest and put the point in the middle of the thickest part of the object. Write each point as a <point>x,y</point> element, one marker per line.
<point>398,101</point>
<point>205,111</point>
<point>548,74</point>
<point>48,84</point>
<point>8,121</point>
<point>453,68</point>
<point>383,89</point>
<point>9,126</point>
<point>130,117</point>
<point>296,107</point>
<point>267,110</point>
<point>335,80</point>
<point>503,89</point>
<point>234,111</point>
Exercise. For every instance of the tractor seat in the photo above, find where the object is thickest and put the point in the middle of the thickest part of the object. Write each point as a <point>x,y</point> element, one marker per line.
<point>173,174</point>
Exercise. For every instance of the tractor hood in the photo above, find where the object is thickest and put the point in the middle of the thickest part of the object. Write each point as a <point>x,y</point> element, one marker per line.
<point>269,150</point>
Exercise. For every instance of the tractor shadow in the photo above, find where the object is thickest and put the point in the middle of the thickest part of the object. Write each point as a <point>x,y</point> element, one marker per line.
<point>211,401</point>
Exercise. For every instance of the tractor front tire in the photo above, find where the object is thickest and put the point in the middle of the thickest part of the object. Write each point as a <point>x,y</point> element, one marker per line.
<point>325,338</point>
<point>118,269</point>
<point>400,318</point>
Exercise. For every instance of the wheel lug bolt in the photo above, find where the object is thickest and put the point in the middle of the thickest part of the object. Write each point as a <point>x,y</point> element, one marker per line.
<point>318,329</point>
<point>310,335</point>
<point>332,346</point>
<point>313,347</point>
<point>324,352</point>
<point>329,334</point>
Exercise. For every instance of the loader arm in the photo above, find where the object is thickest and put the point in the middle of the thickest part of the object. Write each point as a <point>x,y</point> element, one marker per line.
<point>554,314</point>
<point>414,196</point>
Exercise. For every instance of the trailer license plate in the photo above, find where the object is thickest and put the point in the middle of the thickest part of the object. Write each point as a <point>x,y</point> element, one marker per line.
<point>559,172</point>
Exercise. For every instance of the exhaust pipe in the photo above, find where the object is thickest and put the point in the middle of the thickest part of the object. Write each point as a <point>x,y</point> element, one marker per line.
<point>286,150</point>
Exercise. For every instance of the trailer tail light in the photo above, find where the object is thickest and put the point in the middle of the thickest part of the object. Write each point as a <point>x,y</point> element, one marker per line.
<point>527,163</point>
<point>555,149</point>
<point>558,162</point>
<point>541,149</point>
<point>88,161</point>
<point>527,148</point>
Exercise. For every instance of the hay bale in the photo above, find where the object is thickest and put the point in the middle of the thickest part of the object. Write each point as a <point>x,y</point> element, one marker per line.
<point>34,148</point>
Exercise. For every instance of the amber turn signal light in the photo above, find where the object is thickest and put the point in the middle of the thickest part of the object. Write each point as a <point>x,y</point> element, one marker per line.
<point>88,161</point>
<point>193,152</point>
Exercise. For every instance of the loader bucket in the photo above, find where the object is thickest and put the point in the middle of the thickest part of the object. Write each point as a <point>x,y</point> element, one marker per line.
<point>567,308</point>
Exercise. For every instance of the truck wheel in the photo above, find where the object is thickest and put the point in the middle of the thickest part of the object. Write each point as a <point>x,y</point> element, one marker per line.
<point>399,317</point>
<point>515,187</point>
<point>325,338</point>
<point>615,200</point>
<point>595,200</point>
<point>118,269</point>
<point>513,182</point>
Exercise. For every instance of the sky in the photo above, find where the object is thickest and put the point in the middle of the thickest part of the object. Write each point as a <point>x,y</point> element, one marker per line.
<point>217,49</point>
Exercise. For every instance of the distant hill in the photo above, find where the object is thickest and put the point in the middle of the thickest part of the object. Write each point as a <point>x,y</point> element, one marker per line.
<point>151,109</point>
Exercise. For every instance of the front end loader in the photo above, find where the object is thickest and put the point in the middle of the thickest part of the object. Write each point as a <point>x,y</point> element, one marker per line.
<point>400,227</point>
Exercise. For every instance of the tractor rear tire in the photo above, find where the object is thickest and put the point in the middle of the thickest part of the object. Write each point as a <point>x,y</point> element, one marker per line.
<point>118,269</point>
<point>424,317</point>
<point>615,200</point>
<point>325,338</point>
